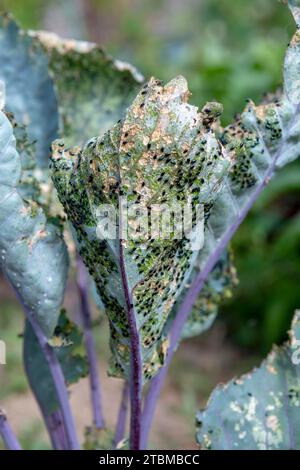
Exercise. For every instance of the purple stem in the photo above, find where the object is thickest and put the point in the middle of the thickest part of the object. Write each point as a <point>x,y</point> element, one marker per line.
<point>7,434</point>
<point>121,422</point>
<point>193,293</point>
<point>57,377</point>
<point>95,389</point>
<point>136,368</point>
<point>59,383</point>
<point>54,422</point>
<point>136,365</point>
<point>55,426</point>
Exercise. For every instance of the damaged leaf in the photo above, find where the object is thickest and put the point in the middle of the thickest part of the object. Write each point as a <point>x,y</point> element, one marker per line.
<point>163,152</point>
<point>97,439</point>
<point>259,410</point>
<point>216,290</point>
<point>93,90</point>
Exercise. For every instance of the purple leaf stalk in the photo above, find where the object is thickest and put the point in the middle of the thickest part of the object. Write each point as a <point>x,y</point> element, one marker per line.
<point>7,434</point>
<point>122,415</point>
<point>95,389</point>
<point>59,383</point>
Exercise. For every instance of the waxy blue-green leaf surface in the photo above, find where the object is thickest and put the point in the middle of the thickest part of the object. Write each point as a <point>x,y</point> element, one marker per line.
<point>68,346</point>
<point>259,410</point>
<point>29,89</point>
<point>33,255</point>
<point>217,289</point>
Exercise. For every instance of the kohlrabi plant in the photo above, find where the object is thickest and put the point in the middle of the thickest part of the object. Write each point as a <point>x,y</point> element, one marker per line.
<point>140,195</point>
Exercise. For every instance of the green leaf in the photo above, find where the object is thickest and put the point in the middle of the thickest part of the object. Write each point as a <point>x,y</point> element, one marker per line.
<point>98,439</point>
<point>260,410</point>
<point>33,255</point>
<point>217,288</point>
<point>162,152</point>
<point>93,89</point>
<point>263,139</point>
<point>29,89</point>
<point>68,345</point>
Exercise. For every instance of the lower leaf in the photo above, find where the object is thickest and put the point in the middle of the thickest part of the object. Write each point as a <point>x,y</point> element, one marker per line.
<point>260,410</point>
<point>67,341</point>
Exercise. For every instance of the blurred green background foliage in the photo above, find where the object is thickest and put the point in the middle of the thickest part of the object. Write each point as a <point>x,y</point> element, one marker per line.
<point>228,50</point>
